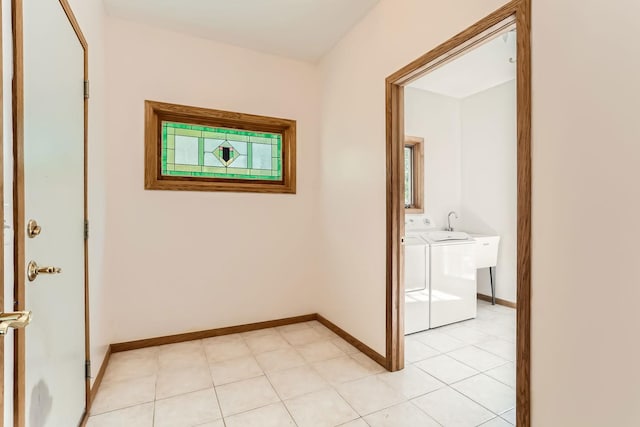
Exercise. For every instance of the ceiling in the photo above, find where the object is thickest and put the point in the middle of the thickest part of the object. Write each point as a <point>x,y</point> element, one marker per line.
<point>300,29</point>
<point>477,70</point>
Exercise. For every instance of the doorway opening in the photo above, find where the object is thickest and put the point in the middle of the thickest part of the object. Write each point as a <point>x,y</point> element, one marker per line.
<point>511,22</point>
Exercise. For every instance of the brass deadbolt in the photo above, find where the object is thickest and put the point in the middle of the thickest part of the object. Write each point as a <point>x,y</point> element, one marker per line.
<point>33,229</point>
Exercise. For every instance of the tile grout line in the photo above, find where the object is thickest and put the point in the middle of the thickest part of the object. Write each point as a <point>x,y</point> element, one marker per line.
<point>347,402</point>
<point>334,387</point>
<point>464,379</point>
<point>155,387</point>
<point>463,363</point>
<point>479,372</point>
<point>491,352</point>
<point>464,395</point>
<point>264,374</point>
<point>121,409</point>
<point>467,397</point>
<point>422,410</point>
<point>286,408</point>
<point>309,365</point>
<point>91,415</point>
<point>213,384</point>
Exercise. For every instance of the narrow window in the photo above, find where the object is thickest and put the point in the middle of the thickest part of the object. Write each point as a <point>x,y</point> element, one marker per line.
<point>190,148</point>
<point>413,175</point>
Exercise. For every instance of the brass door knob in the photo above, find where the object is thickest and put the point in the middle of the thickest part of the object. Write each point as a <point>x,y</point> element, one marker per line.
<point>33,229</point>
<point>16,320</point>
<point>33,270</point>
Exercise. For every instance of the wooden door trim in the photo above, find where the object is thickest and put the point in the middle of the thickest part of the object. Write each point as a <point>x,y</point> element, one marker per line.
<point>499,301</point>
<point>18,209</point>
<point>19,202</point>
<point>521,10</point>
<point>2,358</point>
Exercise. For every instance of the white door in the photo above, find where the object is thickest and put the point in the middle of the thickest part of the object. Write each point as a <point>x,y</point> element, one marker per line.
<point>54,197</point>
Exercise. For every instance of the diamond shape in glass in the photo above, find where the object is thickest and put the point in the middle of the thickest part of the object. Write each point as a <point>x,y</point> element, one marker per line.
<point>226,153</point>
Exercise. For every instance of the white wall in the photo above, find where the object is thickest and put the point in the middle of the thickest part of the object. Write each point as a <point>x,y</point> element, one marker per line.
<point>436,118</point>
<point>586,205</point>
<point>353,203</point>
<point>184,261</point>
<point>90,16</point>
<point>585,154</point>
<point>489,176</point>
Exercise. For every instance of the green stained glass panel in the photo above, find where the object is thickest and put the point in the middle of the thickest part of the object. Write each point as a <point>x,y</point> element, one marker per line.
<point>192,150</point>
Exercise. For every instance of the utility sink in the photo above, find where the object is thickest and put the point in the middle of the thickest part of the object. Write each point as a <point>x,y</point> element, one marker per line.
<point>442,236</point>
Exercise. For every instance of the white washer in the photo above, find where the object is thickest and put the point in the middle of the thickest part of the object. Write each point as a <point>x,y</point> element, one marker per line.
<point>416,284</point>
<point>452,277</point>
<point>416,274</point>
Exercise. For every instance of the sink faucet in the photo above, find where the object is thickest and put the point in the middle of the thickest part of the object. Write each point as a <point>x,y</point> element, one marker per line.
<point>450,228</point>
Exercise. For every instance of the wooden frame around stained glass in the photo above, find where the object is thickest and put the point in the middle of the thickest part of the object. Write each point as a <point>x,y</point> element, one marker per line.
<point>200,149</point>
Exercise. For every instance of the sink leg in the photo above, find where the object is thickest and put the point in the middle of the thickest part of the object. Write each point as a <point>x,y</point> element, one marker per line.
<point>493,285</point>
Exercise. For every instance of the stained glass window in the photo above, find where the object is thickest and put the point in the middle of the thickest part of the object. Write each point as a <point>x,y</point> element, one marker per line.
<point>214,152</point>
<point>202,149</point>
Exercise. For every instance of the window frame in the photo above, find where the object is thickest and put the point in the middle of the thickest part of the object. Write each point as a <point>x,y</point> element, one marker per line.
<point>157,112</point>
<point>417,145</point>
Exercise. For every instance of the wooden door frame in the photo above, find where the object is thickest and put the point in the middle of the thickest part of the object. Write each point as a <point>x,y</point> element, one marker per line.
<point>19,410</point>
<point>521,10</point>
<point>2,358</point>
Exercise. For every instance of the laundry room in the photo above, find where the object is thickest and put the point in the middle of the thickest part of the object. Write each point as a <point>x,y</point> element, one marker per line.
<point>460,244</point>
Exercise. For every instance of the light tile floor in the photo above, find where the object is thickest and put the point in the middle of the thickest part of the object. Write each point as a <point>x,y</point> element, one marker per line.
<point>305,375</point>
